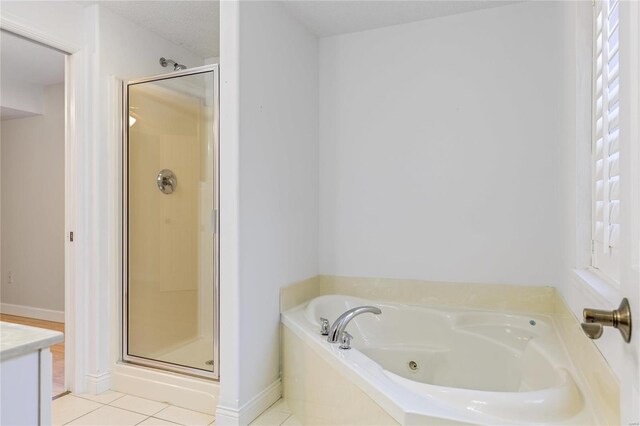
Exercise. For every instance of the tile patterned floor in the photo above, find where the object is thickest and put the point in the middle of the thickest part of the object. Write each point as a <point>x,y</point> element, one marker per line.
<point>118,409</point>
<point>276,415</point>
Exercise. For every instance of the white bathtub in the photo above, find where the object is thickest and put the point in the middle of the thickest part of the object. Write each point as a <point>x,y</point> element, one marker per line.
<point>430,366</point>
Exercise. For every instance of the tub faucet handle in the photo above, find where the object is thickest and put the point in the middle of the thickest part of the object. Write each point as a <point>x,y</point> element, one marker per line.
<point>346,341</point>
<point>324,326</point>
<point>592,330</point>
<point>595,319</point>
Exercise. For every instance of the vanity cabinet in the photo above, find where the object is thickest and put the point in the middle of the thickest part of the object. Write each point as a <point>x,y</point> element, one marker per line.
<point>26,374</point>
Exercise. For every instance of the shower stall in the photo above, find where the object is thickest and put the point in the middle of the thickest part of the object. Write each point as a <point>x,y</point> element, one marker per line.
<point>170,222</point>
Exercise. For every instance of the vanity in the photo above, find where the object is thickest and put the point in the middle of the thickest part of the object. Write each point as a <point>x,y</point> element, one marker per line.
<point>26,374</point>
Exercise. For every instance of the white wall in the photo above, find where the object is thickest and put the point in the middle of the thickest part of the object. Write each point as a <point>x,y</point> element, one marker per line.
<point>122,51</point>
<point>576,183</point>
<point>229,402</point>
<point>278,185</point>
<point>105,46</point>
<point>33,206</point>
<point>63,25</point>
<point>439,147</point>
<point>583,288</point>
<point>23,96</point>
<point>278,177</point>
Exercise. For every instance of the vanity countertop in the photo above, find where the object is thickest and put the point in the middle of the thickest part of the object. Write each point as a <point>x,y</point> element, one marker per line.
<point>18,339</point>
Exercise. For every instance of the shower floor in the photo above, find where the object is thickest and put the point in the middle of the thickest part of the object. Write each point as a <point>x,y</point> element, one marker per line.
<point>193,354</point>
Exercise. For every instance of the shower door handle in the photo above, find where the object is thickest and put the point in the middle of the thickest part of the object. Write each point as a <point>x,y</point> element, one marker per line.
<point>214,221</point>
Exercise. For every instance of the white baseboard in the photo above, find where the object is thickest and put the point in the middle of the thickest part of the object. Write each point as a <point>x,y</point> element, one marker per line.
<point>97,383</point>
<point>226,416</point>
<point>31,312</point>
<point>184,391</point>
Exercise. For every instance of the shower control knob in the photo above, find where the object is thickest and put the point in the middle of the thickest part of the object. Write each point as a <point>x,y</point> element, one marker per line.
<point>167,181</point>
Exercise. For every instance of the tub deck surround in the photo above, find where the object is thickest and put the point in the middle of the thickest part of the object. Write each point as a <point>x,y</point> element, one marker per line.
<point>299,293</point>
<point>518,371</point>
<point>602,384</point>
<point>321,393</point>
<point>502,297</point>
<point>498,297</point>
<point>593,371</point>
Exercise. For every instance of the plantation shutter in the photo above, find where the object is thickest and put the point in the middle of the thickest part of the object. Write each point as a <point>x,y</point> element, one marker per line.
<point>606,151</point>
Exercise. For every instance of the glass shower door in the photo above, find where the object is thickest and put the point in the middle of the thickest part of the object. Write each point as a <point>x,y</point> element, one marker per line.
<point>170,313</point>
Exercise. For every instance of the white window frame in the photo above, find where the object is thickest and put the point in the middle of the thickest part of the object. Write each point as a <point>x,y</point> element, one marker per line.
<point>605,249</point>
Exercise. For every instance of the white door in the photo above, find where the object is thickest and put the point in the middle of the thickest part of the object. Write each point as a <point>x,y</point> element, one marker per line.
<point>630,278</point>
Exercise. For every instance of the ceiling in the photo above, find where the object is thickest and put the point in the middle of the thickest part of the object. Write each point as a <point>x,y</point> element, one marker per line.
<point>193,25</point>
<point>331,17</point>
<point>29,62</point>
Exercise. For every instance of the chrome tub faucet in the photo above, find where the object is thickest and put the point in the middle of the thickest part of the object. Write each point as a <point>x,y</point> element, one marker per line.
<point>337,330</point>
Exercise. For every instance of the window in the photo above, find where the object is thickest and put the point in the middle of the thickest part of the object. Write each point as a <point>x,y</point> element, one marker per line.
<point>605,141</point>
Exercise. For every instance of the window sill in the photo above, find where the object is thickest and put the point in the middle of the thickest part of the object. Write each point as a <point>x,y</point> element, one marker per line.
<point>598,286</point>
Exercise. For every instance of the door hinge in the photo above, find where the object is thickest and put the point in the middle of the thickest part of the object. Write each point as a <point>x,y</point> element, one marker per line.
<point>71,236</point>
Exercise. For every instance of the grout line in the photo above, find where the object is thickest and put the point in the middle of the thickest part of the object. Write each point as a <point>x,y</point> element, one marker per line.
<point>165,420</point>
<point>135,412</point>
<point>285,419</point>
<point>120,397</point>
<point>143,420</point>
<point>118,408</point>
<point>92,400</point>
<point>177,406</point>
<point>88,412</point>
<point>101,406</point>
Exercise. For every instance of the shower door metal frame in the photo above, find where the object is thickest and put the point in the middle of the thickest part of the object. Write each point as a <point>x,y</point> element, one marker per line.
<point>124,320</point>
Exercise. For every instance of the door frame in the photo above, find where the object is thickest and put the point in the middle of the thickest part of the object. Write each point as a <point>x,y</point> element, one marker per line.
<point>73,312</point>
<point>630,265</point>
<point>123,356</point>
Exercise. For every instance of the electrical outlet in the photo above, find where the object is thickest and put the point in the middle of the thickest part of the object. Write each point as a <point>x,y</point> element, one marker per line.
<point>11,278</point>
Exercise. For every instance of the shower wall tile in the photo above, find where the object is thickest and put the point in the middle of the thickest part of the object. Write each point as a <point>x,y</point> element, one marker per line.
<point>169,246</point>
